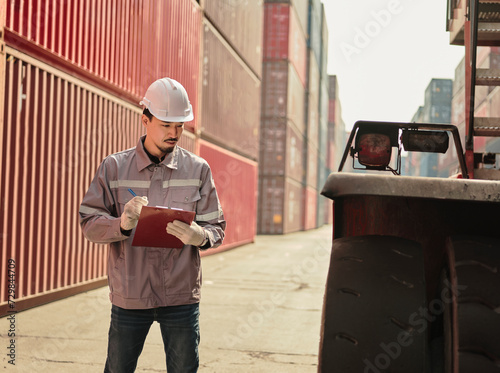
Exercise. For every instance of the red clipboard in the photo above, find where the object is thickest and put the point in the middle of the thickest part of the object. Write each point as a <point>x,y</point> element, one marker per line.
<point>151,228</point>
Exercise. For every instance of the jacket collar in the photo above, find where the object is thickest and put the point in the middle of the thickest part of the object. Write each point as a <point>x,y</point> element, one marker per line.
<point>143,160</point>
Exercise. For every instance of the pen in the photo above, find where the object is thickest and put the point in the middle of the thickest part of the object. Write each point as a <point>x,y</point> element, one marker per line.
<point>132,192</point>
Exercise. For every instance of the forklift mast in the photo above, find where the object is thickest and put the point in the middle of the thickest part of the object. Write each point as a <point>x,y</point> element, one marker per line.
<point>476,23</point>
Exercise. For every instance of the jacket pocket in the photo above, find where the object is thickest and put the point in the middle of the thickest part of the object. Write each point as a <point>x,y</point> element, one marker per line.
<point>185,198</point>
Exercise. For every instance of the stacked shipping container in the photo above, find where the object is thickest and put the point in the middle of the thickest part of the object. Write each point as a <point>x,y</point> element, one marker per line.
<point>75,73</point>
<point>283,126</point>
<point>294,136</point>
<point>230,108</point>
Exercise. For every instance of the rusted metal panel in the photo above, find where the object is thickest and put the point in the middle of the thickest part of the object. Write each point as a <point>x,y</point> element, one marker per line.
<point>240,22</point>
<point>120,46</point>
<point>281,205</point>
<point>58,129</point>
<point>284,38</point>
<point>230,97</point>
<point>236,181</point>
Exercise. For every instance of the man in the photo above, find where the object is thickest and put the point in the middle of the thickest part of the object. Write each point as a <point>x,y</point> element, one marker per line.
<point>154,284</point>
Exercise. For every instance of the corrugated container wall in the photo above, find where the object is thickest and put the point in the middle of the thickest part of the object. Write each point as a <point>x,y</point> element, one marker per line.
<point>236,181</point>
<point>281,202</point>
<point>58,131</point>
<point>281,150</point>
<point>282,94</point>
<point>120,46</point>
<point>301,9</point>
<point>230,97</point>
<point>240,23</point>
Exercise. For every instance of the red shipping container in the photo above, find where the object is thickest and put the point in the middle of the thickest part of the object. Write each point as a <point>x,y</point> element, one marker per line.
<point>240,22</point>
<point>68,126</point>
<point>230,98</point>
<point>236,181</point>
<point>121,47</point>
<point>301,9</point>
<point>284,38</point>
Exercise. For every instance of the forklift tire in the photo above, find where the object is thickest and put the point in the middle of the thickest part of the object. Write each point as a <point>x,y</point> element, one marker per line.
<point>474,317</point>
<point>374,314</point>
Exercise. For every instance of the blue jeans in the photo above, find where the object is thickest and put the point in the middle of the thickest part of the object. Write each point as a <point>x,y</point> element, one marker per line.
<point>180,331</point>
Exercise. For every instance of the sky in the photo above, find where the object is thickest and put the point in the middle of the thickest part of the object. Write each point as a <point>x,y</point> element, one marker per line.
<point>385,53</point>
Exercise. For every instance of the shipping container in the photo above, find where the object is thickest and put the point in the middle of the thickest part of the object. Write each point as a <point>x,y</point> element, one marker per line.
<point>241,24</point>
<point>281,208</point>
<point>313,96</point>
<point>281,149</point>
<point>119,46</point>
<point>323,119</point>
<point>230,97</point>
<point>323,172</point>
<point>315,28</point>
<point>58,131</point>
<point>324,45</point>
<point>301,9</point>
<point>284,38</point>
<point>236,182</point>
<point>310,208</point>
<point>312,160</point>
<point>283,96</point>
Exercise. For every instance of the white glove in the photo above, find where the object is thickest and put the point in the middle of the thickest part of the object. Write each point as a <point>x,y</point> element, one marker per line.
<point>131,212</point>
<point>189,234</point>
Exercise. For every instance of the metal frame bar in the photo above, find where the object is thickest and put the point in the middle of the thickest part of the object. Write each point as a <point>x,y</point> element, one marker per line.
<point>470,41</point>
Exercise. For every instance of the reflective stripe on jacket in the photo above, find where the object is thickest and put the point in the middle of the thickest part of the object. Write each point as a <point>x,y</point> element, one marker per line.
<point>148,277</point>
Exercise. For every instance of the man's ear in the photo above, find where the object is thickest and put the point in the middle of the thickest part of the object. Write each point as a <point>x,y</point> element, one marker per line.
<point>145,120</point>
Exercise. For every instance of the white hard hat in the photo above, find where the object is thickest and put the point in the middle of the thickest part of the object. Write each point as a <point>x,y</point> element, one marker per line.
<point>168,101</point>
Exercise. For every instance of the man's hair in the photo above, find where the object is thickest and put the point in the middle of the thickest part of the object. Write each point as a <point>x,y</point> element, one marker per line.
<point>147,113</point>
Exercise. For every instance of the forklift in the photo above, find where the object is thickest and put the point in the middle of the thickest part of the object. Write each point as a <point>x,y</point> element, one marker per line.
<point>414,277</point>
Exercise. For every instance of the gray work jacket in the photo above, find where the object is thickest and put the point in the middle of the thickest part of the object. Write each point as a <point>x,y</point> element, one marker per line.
<point>149,277</point>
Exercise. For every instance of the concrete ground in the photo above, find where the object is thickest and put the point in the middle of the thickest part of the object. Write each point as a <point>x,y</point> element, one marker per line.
<point>260,312</point>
